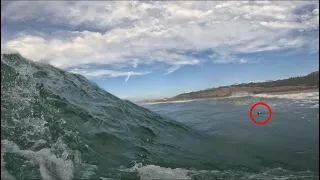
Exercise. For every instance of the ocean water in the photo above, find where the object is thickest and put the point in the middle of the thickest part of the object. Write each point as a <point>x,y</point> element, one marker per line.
<point>59,126</point>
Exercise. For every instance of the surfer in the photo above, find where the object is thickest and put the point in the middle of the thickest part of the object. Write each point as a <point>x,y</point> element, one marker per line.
<point>261,113</point>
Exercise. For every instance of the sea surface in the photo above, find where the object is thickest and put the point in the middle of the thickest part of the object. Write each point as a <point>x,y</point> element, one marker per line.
<point>59,126</point>
<point>289,141</point>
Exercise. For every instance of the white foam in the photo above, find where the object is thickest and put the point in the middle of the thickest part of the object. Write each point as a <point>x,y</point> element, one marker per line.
<point>45,159</point>
<point>103,178</point>
<point>298,96</point>
<point>51,166</point>
<point>157,172</point>
<point>315,106</point>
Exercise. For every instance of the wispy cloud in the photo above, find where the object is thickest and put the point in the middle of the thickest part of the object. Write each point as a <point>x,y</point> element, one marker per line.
<point>134,33</point>
<point>127,78</point>
<point>93,73</point>
<point>172,69</point>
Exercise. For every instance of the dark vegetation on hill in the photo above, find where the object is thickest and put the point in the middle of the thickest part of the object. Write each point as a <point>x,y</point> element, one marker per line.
<point>311,79</point>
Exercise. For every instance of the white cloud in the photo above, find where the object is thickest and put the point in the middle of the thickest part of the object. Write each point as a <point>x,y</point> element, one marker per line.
<point>110,73</point>
<point>172,69</point>
<point>127,77</point>
<point>223,57</point>
<point>136,33</point>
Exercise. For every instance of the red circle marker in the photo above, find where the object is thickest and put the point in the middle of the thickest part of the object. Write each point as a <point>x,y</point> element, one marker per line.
<point>260,104</point>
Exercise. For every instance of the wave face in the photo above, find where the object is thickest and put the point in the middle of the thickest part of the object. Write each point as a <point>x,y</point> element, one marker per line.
<point>59,126</point>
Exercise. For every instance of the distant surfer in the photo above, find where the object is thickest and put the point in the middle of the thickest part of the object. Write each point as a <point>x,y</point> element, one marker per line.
<point>261,113</point>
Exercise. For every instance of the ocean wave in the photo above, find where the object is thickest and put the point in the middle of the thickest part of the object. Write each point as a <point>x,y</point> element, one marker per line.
<point>165,173</point>
<point>59,125</point>
<point>297,96</point>
<point>315,106</point>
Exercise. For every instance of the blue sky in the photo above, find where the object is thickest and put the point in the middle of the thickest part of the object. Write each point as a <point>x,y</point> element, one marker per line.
<point>145,50</point>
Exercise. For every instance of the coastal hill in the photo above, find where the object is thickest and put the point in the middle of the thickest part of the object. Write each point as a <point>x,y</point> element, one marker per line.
<point>292,84</point>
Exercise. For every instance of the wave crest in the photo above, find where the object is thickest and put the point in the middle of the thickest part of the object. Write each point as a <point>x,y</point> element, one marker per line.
<point>164,173</point>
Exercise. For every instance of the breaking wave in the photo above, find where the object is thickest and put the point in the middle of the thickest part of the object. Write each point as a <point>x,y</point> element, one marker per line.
<point>306,95</point>
<point>164,173</point>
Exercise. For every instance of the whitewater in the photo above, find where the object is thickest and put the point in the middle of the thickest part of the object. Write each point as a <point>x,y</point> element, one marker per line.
<point>57,125</point>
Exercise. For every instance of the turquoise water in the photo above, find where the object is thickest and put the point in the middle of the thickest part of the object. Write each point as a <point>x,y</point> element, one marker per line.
<point>56,125</point>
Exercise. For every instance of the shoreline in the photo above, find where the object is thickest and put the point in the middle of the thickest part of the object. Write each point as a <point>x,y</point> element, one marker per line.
<point>201,99</point>
<point>293,92</point>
